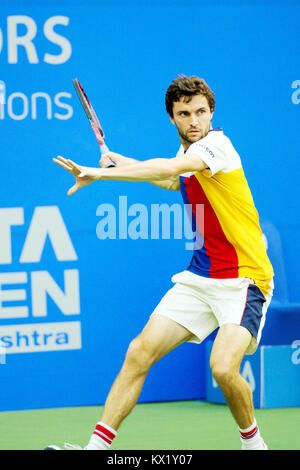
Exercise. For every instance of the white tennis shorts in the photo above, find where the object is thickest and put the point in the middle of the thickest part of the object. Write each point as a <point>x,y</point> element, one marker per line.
<point>202,304</point>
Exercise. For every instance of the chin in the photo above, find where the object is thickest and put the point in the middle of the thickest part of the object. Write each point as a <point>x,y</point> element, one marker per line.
<point>196,138</point>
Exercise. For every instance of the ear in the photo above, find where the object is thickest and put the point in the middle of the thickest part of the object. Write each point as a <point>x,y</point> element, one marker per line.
<point>172,119</point>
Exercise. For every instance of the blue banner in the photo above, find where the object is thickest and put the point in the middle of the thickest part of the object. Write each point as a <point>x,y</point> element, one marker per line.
<point>80,275</point>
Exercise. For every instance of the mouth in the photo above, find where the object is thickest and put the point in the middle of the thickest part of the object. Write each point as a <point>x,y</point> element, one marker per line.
<point>194,131</point>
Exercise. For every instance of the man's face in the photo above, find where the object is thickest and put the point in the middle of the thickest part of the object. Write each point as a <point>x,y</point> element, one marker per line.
<point>192,119</point>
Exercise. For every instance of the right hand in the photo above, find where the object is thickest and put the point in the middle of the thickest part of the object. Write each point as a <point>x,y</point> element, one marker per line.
<point>116,158</point>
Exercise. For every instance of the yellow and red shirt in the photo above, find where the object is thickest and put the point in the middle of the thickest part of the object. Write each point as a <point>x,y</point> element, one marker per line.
<point>232,241</point>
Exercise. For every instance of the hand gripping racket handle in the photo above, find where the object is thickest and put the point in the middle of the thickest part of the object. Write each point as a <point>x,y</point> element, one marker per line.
<point>104,149</point>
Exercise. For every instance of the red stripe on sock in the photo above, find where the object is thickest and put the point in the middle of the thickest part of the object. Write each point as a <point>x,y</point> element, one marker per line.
<point>248,435</point>
<point>105,431</point>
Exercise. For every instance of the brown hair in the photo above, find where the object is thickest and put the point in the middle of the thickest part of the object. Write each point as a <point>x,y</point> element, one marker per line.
<point>188,87</point>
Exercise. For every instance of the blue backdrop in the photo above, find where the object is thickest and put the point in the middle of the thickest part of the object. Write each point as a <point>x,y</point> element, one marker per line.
<point>71,301</point>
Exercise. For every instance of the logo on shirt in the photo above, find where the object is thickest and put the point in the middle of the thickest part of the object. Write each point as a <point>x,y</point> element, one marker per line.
<point>207,149</point>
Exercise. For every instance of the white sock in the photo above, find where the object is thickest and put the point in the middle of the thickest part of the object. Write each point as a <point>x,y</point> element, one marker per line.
<point>102,437</point>
<point>251,437</point>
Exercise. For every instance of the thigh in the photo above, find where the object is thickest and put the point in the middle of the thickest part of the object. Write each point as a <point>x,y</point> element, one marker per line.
<point>230,346</point>
<point>160,336</point>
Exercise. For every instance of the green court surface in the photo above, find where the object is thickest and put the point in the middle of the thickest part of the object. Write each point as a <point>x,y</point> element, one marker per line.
<point>186,425</point>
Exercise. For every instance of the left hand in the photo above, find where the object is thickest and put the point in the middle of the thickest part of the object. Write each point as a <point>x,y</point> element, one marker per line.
<point>84,175</point>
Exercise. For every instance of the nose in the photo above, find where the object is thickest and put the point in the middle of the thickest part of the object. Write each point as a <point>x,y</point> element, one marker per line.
<point>194,120</point>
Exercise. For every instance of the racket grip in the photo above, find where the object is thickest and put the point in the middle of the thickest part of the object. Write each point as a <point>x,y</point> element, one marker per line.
<point>104,149</point>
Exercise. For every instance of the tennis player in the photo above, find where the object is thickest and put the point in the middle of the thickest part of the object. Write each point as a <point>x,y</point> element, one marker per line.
<point>229,282</point>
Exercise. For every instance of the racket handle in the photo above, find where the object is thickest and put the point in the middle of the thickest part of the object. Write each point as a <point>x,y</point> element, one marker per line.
<point>104,149</point>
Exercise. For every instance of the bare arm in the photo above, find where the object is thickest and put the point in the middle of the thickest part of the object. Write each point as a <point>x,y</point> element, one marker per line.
<point>171,184</point>
<point>154,170</point>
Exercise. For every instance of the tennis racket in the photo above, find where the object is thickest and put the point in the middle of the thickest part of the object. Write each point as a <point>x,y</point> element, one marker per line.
<point>92,117</point>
